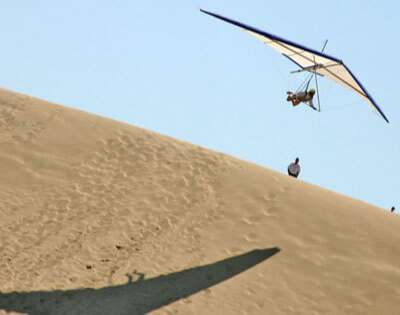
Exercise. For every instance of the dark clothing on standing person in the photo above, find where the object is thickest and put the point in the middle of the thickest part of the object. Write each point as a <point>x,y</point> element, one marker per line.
<point>294,168</point>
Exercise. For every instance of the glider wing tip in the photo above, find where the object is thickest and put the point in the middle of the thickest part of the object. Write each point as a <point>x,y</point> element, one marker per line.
<point>384,117</point>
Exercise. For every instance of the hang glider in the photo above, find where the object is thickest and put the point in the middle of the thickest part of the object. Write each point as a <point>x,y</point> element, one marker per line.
<point>310,60</point>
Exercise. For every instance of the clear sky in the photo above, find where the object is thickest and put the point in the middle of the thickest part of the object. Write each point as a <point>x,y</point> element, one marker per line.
<point>164,66</point>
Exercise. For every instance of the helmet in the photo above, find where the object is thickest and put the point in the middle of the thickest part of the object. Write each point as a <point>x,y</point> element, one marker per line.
<point>311,91</point>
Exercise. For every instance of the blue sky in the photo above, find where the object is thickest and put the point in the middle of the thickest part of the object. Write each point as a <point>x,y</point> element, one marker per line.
<point>164,66</point>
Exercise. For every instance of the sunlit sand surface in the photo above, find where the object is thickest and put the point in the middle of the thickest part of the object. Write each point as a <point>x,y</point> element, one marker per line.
<point>100,217</point>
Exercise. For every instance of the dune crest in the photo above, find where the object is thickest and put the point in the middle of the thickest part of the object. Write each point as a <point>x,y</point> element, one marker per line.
<point>86,201</point>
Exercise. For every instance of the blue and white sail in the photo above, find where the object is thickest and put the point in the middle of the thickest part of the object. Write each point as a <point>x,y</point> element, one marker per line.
<point>309,60</point>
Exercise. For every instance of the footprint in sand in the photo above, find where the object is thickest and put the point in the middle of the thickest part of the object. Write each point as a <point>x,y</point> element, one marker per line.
<point>270,197</point>
<point>250,237</point>
<point>270,212</point>
<point>254,219</point>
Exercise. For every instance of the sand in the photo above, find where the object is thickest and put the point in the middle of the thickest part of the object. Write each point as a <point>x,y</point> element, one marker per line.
<point>100,217</point>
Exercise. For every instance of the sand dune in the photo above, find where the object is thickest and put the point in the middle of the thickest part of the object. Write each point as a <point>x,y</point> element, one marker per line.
<point>100,217</point>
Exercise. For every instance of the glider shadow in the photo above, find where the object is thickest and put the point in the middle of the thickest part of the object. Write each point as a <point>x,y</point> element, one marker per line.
<point>135,297</point>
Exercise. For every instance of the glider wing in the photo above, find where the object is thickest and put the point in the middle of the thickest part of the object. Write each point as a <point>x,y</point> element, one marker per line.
<point>309,60</point>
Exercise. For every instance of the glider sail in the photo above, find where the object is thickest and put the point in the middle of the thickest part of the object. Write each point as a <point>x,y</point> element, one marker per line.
<point>309,60</point>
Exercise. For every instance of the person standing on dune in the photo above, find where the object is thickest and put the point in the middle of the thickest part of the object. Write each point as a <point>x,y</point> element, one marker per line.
<point>294,168</point>
<point>393,209</point>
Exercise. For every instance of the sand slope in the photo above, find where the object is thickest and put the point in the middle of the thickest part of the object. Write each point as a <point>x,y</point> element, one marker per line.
<point>99,217</point>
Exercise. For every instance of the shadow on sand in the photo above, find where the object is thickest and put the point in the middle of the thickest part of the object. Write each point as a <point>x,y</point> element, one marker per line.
<point>139,297</point>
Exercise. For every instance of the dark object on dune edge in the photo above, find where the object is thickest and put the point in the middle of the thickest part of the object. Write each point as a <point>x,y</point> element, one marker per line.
<point>294,168</point>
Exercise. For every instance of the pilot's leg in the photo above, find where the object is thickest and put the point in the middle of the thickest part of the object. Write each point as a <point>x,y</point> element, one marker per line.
<point>310,102</point>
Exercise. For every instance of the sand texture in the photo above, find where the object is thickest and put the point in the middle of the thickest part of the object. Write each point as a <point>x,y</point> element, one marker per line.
<point>100,217</point>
